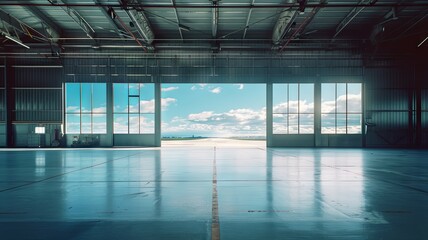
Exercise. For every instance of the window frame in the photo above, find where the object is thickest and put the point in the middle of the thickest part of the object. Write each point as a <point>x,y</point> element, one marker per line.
<point>135,112</point>
<point>346,114</point>
<point>81,114</point>
<point>287,114</point>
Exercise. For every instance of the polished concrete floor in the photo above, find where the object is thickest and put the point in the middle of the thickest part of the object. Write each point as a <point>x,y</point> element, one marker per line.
<point>213,192</point>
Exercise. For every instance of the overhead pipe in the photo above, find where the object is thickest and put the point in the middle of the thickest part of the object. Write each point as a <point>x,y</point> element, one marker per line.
<point>303,25</point>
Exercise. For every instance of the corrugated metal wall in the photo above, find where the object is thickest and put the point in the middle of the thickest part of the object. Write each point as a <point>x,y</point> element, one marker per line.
<point>389,84</point>
<point>213,68</point>
<point>2,105</point>
<point>38,105</point>
<point>37,88</point>
<point>423,78</point>
<point>389,93</point>
<point>2,108</point>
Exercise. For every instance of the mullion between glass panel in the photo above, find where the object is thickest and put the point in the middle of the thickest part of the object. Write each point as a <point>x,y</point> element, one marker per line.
<point>288,108</point>
<point>92,108</point>
<point>298,108</point>
<point>128,106</point>
<point>335,108</point>
<point>346,109</point>
<point>139,110</point>
<point>80,109</point>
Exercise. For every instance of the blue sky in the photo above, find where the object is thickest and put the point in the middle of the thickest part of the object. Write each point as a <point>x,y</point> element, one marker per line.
<point>213,110</point>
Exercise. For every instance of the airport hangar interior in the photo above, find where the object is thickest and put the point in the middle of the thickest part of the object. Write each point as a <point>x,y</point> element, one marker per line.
<point>337,150</point>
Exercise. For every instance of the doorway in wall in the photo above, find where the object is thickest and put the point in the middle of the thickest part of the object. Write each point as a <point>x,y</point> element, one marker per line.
<point>224,113</point>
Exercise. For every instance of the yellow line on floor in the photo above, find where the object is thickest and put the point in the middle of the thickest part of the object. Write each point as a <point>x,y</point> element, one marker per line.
<point>215,224</point>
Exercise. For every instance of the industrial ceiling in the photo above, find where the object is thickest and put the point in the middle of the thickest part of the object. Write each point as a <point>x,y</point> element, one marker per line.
<point>214,25</point>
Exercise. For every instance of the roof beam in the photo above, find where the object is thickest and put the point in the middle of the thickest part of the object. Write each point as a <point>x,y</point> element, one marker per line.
<point>248,19</point>
<point>351,15</point>
<point>140,21</point>
<point>83,24</point>
<point>21,27</point>
<point>214,24</point>
<point>49,26</point>
<point>109,18</point>
<point>303,25</point>
<point>229,6</point>
<point>178,20</point>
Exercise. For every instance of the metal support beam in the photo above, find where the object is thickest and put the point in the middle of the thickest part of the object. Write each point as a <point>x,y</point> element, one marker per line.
<point>269,113</point>
<point>110,19</point>
<point>227,6</point>
<point>140,21</point>
<point>51,28</point>
<point>19,26</point>
<point>248,19</point>
<point>158,112</point>
<point>302,5</point>
<point>303,25</point>
<point>418,92</point>
<point>178,20</point>
<point>83,24</point>
<point>351,15</point>
<point>214,23</point>
<point>9,79</point>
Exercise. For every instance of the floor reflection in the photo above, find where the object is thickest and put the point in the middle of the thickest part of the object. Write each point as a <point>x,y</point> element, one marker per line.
<point>262,193</point>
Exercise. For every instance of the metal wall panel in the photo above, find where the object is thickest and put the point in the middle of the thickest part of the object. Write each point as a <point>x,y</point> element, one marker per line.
<point>424,117</point>
<point>393,76</point>
<point>25,135</point>
<point>2,106</point>
<point>2,69</point>
<point>387,99</point>
<point>389,92</point>
<point>35,105</point>
<point>38,77</point>
<point>389,83</point>
<point>2,135</point>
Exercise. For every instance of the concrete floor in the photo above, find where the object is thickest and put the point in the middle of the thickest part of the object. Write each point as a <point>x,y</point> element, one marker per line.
<point>207,192</point>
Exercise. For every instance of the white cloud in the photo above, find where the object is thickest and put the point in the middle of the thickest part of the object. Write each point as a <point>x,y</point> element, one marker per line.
<point>216,90</point>
<point>305,107</point>
<point>200,117</point>
<point>168,89</point>
<point>240,86</point>
<point>99,110</point>
<point>147,106</point>
<point>354,104</point>
<point>73,109</point>
<point>198,87</point>
<point>166,102</point>
<point>235,122</point>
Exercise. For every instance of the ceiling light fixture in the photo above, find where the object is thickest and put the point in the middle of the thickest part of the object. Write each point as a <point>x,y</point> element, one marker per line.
<point>16,40</point>
<point>423,41</point>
